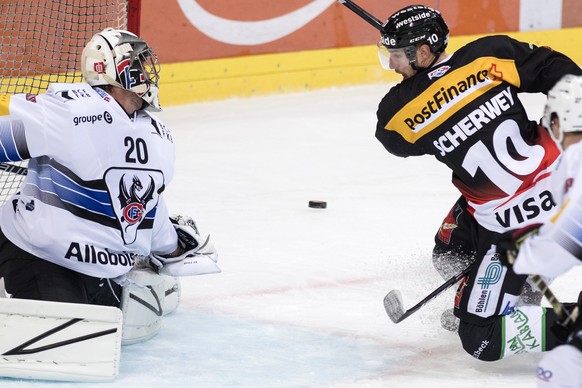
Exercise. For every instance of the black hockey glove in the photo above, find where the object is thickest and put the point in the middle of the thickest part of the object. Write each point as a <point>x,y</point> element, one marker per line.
<point>509,243</point>
<point>569,328</point>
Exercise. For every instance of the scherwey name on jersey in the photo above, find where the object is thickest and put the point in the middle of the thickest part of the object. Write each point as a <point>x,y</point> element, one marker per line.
<point>474,121</point>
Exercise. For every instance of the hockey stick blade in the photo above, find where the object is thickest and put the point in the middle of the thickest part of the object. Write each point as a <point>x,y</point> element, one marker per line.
<point>395,307</point>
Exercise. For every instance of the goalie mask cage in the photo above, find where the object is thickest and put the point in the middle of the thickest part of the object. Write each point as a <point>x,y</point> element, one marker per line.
<point>41,43</point>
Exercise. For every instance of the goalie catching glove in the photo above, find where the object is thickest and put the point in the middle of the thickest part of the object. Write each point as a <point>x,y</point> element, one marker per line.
<point>196,255</point>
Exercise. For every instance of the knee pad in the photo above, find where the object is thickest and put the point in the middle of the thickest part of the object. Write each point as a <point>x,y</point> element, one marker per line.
<point>497,337</point>
<point>146,298</point>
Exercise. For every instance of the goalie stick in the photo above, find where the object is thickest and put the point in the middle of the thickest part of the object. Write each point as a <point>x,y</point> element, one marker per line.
<point>395,307</point>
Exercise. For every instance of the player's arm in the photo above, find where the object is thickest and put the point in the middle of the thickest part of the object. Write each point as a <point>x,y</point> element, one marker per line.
<point>552,248</point>
<point>388,131</point>
<point>33,125</point>
<point>539,67</point>
<point>555,249</point>
<point>12,132</point>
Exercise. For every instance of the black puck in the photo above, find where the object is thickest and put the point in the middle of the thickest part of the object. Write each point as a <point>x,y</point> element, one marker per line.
<point>318,204</point>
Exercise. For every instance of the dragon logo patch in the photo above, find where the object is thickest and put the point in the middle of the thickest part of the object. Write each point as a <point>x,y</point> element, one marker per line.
<point>134,194</point>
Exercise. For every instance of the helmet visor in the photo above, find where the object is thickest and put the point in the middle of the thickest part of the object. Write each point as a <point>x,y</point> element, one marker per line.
<point>396,58</point>
<point>150,65</point>
<point>139,71</point>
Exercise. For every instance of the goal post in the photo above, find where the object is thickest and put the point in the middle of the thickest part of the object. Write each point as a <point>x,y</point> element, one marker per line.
<point>134,16</point>
<point>41,43</point>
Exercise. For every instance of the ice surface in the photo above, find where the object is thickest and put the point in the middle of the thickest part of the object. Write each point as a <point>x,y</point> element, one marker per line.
<point>299,302</point>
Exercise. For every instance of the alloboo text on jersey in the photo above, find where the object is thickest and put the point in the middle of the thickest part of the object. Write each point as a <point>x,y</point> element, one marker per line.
<point>85,253</point>
<point>471,123</point>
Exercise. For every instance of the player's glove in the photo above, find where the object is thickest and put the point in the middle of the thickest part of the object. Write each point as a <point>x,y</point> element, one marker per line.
<point>197,256</point>
<point>509,243</point>
<point>569,328</point>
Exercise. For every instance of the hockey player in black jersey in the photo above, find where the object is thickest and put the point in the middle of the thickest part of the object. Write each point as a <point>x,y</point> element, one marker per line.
<point>463,108</point>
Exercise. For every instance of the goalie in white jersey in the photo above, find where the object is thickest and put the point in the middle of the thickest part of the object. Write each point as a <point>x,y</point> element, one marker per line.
<point>99,163</point>
<point>556,247</point>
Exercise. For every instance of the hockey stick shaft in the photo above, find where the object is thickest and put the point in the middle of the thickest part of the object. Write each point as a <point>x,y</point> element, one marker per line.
<point>563,314</point>
<point>363,14</point>
<point>566,317</point>
<point>445,286</point>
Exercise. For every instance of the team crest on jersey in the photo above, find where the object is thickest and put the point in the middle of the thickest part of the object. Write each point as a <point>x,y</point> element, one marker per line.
<point>438,72</point>
<point>134,193</point>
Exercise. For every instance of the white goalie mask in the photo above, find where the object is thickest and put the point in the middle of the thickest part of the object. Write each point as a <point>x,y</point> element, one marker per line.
<point>565,102</point>
<point>120,58</point>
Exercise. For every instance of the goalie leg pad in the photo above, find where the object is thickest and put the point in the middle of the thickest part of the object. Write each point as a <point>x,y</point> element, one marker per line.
<point>146,298</point>
<point>59,341</point>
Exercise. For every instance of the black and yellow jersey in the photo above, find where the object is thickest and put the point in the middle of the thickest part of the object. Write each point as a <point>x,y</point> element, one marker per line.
<point>466,112</point>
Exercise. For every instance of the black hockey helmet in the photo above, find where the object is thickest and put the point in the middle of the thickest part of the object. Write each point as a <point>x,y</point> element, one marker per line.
<point>414,25</point>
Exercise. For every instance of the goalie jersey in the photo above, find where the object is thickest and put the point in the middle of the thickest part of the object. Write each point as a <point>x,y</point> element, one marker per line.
<point>465,111</point>
<point>92,198</point>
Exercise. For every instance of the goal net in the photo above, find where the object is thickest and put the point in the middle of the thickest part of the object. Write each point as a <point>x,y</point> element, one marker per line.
<point>41,43</point>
